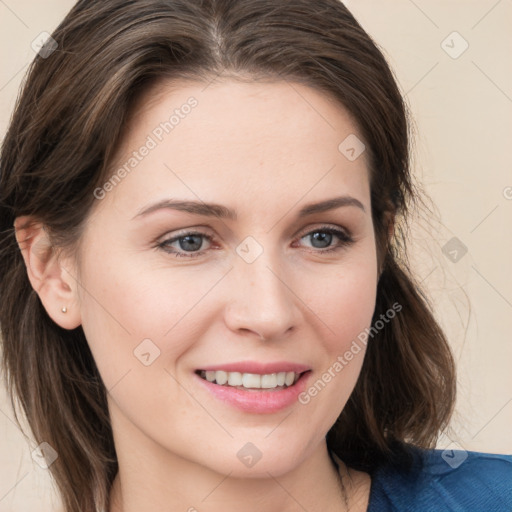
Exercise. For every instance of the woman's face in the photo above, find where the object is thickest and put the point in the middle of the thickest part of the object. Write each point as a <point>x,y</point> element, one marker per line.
<point>264,290</point>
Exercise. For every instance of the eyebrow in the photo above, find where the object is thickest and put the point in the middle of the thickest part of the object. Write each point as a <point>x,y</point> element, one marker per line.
<point>223,212</point>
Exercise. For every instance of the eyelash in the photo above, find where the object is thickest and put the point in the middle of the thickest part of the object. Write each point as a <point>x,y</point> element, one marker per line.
<point>345,241</point>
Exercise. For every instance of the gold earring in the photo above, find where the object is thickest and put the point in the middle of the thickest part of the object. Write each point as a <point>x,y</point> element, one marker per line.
<point>64,309</point>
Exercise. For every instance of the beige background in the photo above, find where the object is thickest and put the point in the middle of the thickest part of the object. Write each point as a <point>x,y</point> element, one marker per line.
<point>462,109</point>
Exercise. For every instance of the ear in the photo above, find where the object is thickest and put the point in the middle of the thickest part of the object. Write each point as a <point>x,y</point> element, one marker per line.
<point>51,276</point>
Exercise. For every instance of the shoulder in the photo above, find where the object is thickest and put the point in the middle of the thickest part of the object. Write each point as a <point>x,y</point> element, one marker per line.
<point>451,480</point>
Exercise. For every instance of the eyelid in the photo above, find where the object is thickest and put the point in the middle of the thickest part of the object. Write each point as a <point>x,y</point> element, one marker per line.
<point>197,230</point>
<point>342,233</point>
<point>323,227</point>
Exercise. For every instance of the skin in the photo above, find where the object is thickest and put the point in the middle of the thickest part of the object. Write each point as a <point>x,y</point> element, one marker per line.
<point>265,150</point>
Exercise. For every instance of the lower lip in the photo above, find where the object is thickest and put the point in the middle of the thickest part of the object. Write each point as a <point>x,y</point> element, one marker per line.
<point>260,402</point>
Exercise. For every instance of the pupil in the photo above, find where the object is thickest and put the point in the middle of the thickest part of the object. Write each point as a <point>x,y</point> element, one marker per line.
<point>322,236</point>
<point>187,239</point>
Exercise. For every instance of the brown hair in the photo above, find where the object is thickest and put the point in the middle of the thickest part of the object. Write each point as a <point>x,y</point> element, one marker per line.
<point>59,147</point>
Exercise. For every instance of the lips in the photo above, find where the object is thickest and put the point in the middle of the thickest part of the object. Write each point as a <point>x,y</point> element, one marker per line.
<point>255,387</point>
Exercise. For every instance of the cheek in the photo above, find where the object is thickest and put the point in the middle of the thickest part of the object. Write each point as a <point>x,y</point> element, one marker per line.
<point>124,304</point>
<point>353,305</point>
<point>344,300</point>
<point>341,309</point>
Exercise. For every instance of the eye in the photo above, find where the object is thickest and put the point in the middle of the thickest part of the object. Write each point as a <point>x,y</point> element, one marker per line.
<point>322,238</point>
<point>189,244</point>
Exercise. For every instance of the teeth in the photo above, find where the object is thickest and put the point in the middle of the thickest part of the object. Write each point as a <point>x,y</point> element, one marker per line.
<point>221,377</point>
<point>234,379</point>
<point>269,381</point>
<point>290,377</point>
<point>251,380</point>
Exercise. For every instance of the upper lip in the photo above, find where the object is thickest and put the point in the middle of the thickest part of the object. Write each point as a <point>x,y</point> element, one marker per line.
<point>258,368</point>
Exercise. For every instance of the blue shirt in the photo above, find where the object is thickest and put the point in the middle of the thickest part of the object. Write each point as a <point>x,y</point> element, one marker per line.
<point>444,481</point>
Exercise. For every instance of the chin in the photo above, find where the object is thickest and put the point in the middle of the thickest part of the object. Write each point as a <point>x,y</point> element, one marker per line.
<point>252,460</point>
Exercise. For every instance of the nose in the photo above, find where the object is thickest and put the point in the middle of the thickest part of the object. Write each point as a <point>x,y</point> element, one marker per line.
<point>261,299</point>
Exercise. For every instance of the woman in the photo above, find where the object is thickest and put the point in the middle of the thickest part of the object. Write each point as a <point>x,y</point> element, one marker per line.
<point>205,298</point>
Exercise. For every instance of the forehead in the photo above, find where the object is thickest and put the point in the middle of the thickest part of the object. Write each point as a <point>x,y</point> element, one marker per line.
<point>243,108</point>
<point>237,139</point>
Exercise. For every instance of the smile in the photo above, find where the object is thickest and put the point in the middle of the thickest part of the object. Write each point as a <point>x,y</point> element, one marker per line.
<point>277,381</point>
<point>251,392</point>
